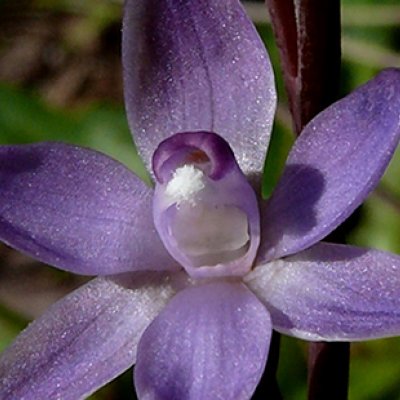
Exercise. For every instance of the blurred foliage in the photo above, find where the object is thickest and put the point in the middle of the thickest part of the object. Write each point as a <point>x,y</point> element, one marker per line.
<point>371,41</point>
<point>24,118</point>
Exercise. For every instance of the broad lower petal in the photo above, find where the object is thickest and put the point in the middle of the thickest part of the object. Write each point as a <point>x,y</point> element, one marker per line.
<point>210,342</point>
<point>336,162</point>
<point>197,65</point>
<point>78,210</point>
<point>332,293</point>
<point>83,341</point>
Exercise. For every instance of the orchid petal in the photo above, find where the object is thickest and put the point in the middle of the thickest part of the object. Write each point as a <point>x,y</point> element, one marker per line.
<point>78,210</point>
<point>332,293</point>
<point>210,342</point>
<point>336,162</point>
<point>197,65</point>
<point>83,341</point>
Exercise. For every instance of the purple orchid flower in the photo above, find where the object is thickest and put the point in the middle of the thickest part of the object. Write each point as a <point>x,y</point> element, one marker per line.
<point>195,274</point>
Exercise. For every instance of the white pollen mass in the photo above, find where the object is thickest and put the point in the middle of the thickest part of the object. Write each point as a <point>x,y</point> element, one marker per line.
<point>185,183</point>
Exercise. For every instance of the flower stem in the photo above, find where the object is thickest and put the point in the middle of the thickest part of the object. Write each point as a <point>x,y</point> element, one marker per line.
<point>328,365</point>
<point>308,37</point>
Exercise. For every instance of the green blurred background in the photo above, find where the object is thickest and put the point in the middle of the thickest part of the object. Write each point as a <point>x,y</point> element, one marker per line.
<point>60,80</point>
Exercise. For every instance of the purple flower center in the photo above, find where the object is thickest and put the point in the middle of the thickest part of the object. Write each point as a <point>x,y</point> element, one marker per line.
<point>205,211</point>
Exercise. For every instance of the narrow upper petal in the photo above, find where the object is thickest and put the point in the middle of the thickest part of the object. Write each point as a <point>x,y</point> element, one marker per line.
<point>332,292</point>
<point>197,65</point>
<point>84,340</point>
<point>337,160</point>
<point>78,210</point>
<point>210,342</point>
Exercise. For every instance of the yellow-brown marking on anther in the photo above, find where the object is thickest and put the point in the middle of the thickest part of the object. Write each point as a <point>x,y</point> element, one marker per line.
<point>197,156</point>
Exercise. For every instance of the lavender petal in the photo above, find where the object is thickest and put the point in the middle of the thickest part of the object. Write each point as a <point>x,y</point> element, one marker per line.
<point>336,162</point>
<point>197,65</point>
<point>332,293</point>
<point>210,342</point>
<point>78,210</point>
<point>84,340</point>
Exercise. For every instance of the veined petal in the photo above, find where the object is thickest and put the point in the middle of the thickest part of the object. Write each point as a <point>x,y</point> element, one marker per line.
<point>83,341</point>
<point>336,162</point>
<point>78,210</point>
<point>210,342</point>
<point>197,65</point>
<point>332,293</point>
